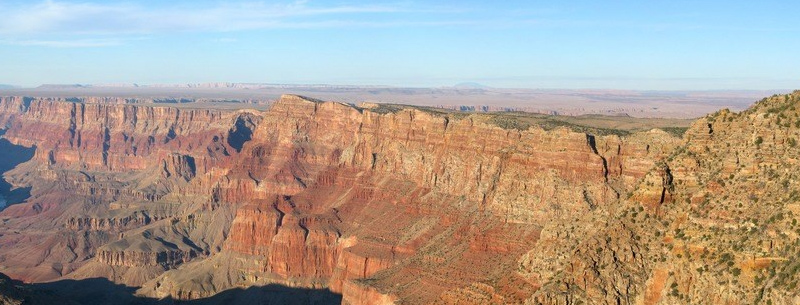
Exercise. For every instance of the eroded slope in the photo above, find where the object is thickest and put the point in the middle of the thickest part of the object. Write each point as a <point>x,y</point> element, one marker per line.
<point>401,204</point>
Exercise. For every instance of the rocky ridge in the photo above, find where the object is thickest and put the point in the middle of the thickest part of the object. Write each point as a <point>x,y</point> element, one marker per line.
<point>393,204</point>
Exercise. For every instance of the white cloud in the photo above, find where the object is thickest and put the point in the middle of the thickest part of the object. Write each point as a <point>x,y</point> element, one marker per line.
<point>73,42</point>
<point>76,43</point>
<point>71,18</point>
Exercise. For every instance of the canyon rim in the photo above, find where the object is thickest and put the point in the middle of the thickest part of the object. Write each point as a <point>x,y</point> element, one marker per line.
<point>119,200</point>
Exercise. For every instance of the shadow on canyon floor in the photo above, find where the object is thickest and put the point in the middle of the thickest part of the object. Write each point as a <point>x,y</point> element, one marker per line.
<point>10,156</point>
<point>103,291</point>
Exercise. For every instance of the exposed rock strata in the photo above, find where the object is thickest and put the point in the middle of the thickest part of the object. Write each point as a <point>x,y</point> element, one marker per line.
<point>399,204</point>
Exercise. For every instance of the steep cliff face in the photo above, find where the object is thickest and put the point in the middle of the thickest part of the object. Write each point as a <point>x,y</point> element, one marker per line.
<point>113,137</point>
<point>392,204</point>
<point>324,194</point>
<point>404,199</point>
<point>100,170</point>
<point>732,228</point>
<point>714,223</point>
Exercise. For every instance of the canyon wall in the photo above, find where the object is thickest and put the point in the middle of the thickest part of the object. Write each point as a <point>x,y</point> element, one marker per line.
<point>379,204</point>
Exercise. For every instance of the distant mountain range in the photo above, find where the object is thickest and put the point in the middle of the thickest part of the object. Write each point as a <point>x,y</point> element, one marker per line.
<point>4,86</point>
<point>219,85</point>
<point>470,85</point>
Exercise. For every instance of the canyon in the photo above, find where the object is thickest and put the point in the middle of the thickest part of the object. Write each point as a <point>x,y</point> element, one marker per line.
<point>318,202</point>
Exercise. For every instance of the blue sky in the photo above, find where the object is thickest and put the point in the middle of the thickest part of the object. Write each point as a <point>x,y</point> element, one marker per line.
<point>660,45</point>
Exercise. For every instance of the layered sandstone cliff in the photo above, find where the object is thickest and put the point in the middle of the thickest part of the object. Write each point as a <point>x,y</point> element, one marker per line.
<point>714,223</point>
<point>393,204</point>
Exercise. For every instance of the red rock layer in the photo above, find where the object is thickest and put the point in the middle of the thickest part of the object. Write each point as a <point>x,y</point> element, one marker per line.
<point>114,137</point>
<point>137,259</point>
<point>400,184</point>
<point>377,205</point>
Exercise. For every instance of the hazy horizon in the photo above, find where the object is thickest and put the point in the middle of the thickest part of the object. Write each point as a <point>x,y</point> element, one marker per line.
<point>462,85</point>
<point>628,45</point>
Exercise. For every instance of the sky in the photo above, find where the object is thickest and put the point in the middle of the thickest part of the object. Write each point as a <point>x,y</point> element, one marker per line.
<point>640,45</point>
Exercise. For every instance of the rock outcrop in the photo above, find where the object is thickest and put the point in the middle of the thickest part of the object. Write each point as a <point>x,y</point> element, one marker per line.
<point>393,204</point>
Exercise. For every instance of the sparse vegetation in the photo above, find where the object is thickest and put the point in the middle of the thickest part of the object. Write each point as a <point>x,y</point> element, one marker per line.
<point>386,109</point>
<point>509,123</point>
<point>676,131</point>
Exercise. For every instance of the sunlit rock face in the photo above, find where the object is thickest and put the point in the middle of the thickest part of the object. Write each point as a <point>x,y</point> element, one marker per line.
<point>394,204</point>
